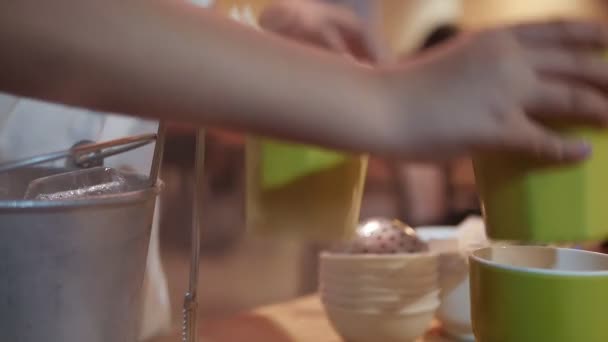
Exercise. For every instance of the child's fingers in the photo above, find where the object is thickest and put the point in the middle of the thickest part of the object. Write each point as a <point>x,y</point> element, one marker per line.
<point>362,43</point>
<point>559,99</point>
<point>365,48</point>
<point>584,66</point>
<point>538,142</point>
<point>345,19</point>
<point>592,35</point>
<point>276,18</point>
<point>334,41</point>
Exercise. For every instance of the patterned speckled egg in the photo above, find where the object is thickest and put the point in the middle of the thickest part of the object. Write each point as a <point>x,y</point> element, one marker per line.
<point>384,236</point>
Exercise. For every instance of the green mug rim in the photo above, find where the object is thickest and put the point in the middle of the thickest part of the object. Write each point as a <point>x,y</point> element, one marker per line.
<point>475,256</point>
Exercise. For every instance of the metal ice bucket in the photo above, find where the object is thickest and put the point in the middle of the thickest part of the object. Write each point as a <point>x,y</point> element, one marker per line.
<point>72,271</point>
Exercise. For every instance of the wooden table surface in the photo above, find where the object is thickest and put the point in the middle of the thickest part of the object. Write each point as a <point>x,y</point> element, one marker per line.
<point>302,320</point>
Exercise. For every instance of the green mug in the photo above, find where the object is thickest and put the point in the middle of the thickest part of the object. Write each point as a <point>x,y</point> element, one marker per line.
<point>538,294</point>
<point>526,200</point>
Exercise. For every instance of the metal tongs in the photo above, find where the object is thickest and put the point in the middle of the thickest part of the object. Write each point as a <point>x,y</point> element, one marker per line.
<point>89,154</point>
<point>190,310</point>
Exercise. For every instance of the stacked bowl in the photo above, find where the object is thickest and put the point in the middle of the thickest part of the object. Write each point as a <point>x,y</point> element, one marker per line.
<point>380,297</point>
<point>454,311</point>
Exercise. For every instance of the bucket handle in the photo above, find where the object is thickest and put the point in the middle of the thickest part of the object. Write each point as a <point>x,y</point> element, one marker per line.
<point>86,154</point>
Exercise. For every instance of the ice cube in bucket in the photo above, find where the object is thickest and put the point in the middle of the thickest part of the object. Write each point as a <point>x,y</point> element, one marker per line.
<point>77,184</point>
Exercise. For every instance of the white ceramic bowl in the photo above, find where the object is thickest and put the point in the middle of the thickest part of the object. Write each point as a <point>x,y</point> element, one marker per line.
<point>375,260</point>
<point>377,292</point>
<point>362,276</point>
<point>392,282</point>
<point>455,313</point>
<point>388,268</point>
<point>356,326</point>
<point>426,301</point>
<point>380,298</point>
<point>455,309</point>
<point>440,239</point>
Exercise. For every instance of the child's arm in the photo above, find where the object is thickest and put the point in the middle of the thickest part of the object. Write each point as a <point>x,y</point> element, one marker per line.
<point>170,60</point>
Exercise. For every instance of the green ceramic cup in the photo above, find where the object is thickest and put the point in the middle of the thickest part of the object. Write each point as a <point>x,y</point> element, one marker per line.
<point>538,294</point>
<point>524,200</point>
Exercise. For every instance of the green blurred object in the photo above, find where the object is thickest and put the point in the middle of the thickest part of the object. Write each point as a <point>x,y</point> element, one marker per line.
<point>303,191</point>
<point>525,200</point>
<point>283,163</point>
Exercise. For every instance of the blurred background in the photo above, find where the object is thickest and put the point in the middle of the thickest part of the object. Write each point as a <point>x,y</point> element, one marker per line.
<point>239,271</point>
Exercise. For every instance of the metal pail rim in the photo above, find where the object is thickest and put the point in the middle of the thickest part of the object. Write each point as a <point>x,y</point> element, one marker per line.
<point>129,197</point>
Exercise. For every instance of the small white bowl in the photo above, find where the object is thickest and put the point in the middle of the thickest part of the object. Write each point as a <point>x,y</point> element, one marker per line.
<point>429,301</point>
<point>395,270</point>
<point>350,293</point>
<point>454,313</point>
<point>380,297</point>
<point>396,282</point>
<point>440,239</point>
<point>407,283</point>
<point>356,326</point>
<point>375,262</point>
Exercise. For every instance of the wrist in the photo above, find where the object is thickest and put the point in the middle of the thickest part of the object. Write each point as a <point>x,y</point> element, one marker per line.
<point>390,112</point>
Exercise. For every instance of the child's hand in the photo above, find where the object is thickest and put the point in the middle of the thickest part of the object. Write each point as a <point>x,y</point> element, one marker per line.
<point>488,91</point>
<point>331,26</point>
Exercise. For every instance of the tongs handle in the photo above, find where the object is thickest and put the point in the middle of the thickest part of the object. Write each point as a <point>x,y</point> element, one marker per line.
<point>190,326</point>
<point>84,154</point>
<point>190,331</point>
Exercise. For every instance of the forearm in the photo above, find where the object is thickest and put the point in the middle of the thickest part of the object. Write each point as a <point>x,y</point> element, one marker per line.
<point>169,60</point>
